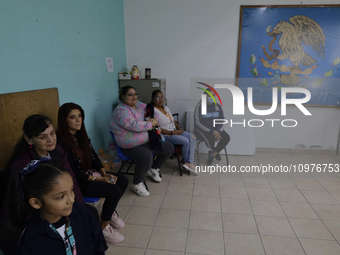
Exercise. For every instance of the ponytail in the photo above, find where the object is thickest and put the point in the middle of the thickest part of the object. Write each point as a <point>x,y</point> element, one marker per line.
<point>34,181</point>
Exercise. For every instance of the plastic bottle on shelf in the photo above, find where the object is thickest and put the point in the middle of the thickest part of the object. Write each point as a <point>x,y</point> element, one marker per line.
<point>112,151</point>
<point>107,160</point>
<point>135,73</point>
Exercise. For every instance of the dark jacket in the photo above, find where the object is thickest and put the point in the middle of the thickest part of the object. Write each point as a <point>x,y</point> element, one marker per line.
<point>205,123</point>
<point>58,155</point>
<point>39,238</point>
<point>75,163</point>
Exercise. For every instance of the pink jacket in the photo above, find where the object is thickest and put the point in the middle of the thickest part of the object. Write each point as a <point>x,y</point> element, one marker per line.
<point>128,125</point>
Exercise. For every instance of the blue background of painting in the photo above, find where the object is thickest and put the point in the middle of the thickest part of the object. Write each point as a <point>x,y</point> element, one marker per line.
<point>254,24</point>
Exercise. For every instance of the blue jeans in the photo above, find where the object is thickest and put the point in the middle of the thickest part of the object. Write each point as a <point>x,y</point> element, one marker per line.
<point>188,145</point>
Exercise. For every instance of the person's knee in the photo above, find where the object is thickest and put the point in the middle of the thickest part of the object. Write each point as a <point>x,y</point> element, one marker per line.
<point>193,138</point>
<point>115,190</point>
<point>186,143</point>
<point>123,180</point>
<point>145,159</point>
<point>143,165</point>
<point>169,148</point>
<point>227,137</point>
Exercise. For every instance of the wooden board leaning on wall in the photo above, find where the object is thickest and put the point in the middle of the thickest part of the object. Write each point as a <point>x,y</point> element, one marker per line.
<point>15,108</point>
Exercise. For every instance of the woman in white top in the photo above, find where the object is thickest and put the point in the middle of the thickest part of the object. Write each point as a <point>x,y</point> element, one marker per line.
<point>173,133</point>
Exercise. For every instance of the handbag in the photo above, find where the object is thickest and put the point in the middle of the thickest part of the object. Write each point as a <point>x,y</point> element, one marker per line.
<point>155,136</point>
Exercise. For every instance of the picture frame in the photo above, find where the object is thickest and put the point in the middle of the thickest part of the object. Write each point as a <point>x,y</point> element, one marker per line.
<point>295,46</point>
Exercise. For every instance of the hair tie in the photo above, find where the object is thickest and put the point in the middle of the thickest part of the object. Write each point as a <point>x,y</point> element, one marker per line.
<point>27,170</point>
<point>32,166</point>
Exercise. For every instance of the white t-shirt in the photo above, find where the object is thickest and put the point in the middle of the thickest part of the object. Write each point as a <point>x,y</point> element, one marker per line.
<point>61,231</point>
<point>164,121</point>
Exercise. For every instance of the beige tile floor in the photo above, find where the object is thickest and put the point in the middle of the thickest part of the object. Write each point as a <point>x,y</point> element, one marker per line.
<point>236,213</point>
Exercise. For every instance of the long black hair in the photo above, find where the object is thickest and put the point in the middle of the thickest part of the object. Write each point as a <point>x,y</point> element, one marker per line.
<point>32,184</point>
<point>33,126</point>
<point>82,149</point>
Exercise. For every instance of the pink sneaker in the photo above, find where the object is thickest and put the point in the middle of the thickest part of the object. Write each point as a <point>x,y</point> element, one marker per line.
<point>116,222</point>
<point>112,235</point>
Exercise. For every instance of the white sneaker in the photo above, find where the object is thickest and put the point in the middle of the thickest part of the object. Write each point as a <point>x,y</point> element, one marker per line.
<point>116,221</point>
<point>155,174</point>
<point>111,235</point>
<point>140,189</point>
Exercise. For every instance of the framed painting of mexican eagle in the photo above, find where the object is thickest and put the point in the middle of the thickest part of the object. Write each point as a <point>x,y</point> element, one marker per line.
<point>290,46</point>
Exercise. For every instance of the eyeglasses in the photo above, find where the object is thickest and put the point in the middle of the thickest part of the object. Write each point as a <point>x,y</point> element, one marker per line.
<point>158,98</point>
<point>132,95</point>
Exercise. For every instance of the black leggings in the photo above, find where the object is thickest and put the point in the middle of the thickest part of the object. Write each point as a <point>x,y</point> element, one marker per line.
<point>210,140</point>
<point>111,192</point>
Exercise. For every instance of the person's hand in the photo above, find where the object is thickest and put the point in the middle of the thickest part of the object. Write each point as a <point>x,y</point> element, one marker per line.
<point>102,171</point>
<point>108,175</point>
<point>178,132</point>
<point>112,179</point>
<point>154,122</point>
<point>217,136</point>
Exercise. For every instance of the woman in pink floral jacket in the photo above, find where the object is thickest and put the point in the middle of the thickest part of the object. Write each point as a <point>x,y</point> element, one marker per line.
<point>131,134</point>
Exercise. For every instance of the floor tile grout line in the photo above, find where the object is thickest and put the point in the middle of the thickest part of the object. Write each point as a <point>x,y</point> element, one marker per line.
<point>315,178</point>
<point>189,219</point>
<point>159,209</point>
<point>253,214</point>
<point>298,238</point>
<point>222,220</point>
<point>319,215</point>
<point>286,217</point>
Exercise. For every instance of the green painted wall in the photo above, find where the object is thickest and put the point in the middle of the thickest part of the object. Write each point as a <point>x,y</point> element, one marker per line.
<point>64,44</point>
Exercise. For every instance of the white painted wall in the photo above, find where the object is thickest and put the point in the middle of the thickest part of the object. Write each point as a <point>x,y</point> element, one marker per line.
<point>184,39</point>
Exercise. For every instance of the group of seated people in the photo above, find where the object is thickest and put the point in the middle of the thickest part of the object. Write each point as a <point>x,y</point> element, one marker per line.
<point>51,171</point>
<point>131,131</point>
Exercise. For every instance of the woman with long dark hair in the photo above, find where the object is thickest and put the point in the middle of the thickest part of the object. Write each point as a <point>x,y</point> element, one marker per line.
<point>39,141</point>
<point>91,176</point>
